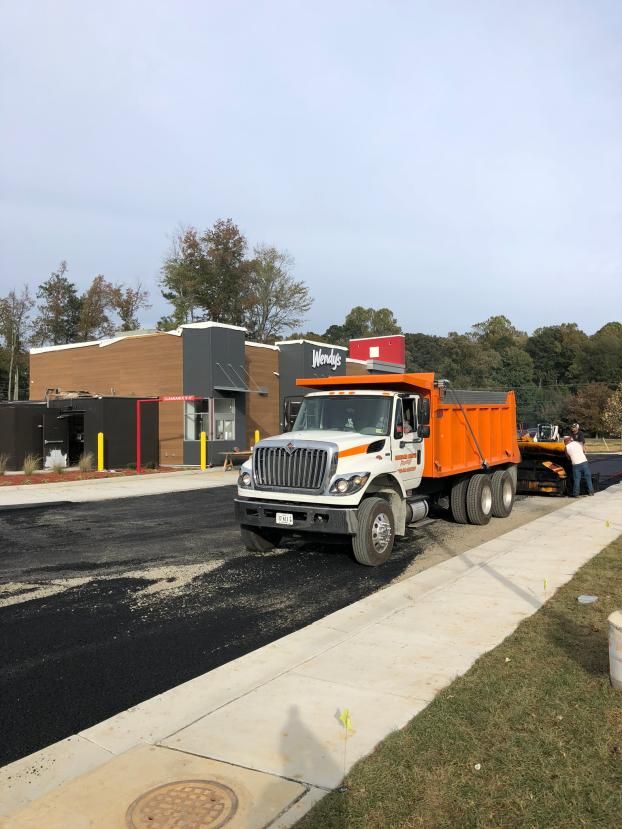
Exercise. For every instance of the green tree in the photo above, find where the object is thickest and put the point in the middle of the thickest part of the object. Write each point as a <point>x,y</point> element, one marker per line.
<point>363,322</point>
<point>498,333</point>
<point>601,360</point>
<point>181,275</point>
<point>58,320</point>
<point>127,302</point>
<point>467,363</point>
<point>277,301</point>
<point>224,290</point>
<point>14,330</point>
<point>556,351</point>
<point>95,303</point>
<point>424,352</point>
<point>206,276</point>
<point>612,417</point>
<point>515,369</point>
<point>587,407</point>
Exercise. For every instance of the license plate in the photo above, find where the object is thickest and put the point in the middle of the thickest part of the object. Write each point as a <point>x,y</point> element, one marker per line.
<point>285,518</point>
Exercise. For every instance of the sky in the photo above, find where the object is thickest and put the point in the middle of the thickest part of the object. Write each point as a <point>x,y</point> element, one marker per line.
<point>448,160</point>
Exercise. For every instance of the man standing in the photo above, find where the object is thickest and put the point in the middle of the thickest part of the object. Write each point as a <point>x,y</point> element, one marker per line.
<point>577,434</point>
<point>580,466</point>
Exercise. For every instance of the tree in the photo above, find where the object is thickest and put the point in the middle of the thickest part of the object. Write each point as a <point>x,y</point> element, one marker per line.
<point>95,303</point>
<point>14,328</point>
<point>224,289</point>
<point>276,300</point>
<point>182,273</point>
<point>207,276</point>
<point>555,351</point>
<point>601,360</point>
<point>467,363</point>
<point>424,352</point>
<point>127,302</point>
<point>587,407</point>
<point>363,322</point>
<point>498,333</point>
<point>58,321</point>
<point>515,370</point>
<point>612,416</point>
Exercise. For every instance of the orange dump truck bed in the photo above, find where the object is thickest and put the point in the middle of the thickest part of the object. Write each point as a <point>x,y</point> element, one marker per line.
<point>466,427</point>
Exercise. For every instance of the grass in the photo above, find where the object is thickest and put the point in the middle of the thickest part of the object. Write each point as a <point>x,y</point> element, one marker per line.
<point>538,713</point>
<point>603,444</point>
<point>31,463</point>
<point>4,462</point>
<point>86,462</point>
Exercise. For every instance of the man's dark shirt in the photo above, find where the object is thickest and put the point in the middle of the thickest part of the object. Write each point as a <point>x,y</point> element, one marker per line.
<point>578,436</point>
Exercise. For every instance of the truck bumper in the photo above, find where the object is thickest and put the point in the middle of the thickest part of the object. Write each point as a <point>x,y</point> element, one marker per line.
<point>313,518</point>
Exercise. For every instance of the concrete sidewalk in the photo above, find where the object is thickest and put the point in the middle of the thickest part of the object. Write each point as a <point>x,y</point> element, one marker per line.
<point>105,489</point>
<point>259,740</point>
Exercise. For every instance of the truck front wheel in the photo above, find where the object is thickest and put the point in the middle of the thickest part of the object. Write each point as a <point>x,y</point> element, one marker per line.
<point>259,540</point>
<point>479,499</point>
<point>376,533</point>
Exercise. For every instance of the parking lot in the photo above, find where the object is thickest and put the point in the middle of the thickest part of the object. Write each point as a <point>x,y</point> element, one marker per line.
<point>103,605</point>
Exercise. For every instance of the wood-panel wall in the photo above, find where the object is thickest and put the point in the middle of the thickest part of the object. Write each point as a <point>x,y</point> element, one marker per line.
<point>141,366</point>
<point>262,410</point>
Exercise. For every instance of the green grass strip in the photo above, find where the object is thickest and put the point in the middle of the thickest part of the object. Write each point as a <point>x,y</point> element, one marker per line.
<point>545,728</point>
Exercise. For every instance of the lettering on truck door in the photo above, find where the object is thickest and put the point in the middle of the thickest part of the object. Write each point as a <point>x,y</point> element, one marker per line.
<point>406,445</point>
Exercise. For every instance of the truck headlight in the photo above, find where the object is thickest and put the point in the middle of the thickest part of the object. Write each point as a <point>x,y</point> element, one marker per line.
<point>349,484</point>
<point>244,479</point>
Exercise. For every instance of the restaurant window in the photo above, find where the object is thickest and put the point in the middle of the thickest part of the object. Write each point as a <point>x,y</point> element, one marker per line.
<point>196,419</point>
<point>224,419</point>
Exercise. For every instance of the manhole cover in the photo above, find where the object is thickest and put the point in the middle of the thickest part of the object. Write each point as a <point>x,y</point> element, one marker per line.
<point>185,804</point>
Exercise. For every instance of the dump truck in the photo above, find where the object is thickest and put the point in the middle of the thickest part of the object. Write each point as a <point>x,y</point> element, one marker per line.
<point>368,455</point>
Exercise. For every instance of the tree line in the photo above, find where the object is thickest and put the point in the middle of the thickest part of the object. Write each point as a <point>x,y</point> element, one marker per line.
<point>559,373</point>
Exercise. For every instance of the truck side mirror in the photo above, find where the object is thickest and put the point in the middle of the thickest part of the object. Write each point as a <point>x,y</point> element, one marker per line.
<point>424,431</point>
<point>424,412</point>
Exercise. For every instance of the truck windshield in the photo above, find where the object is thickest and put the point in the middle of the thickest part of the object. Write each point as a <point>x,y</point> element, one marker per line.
<point>351,413</point>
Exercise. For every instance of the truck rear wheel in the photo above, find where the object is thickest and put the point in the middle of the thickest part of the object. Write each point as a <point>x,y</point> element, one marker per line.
<point>373,543</point>
<point>479,499</point>
<point>259,540</point>
<point>502,493</point>
<point>457,501</point>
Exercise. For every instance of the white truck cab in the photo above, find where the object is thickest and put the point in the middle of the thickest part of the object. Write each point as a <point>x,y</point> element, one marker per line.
<point>344,446</point>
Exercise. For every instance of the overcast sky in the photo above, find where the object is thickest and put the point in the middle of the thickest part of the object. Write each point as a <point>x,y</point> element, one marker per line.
<point>449,160</point>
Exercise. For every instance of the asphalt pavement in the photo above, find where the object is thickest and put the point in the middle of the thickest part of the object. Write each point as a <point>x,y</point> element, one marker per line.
<point>106,604</point>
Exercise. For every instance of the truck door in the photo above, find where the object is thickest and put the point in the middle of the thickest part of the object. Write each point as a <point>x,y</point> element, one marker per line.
<point>407,446</point>
<point>54,435</point>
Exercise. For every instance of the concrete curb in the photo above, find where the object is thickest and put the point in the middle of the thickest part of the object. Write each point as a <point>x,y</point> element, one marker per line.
<point>274,712</point>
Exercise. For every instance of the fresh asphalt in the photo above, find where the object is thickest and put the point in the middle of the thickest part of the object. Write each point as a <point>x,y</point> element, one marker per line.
<point>113,602</point>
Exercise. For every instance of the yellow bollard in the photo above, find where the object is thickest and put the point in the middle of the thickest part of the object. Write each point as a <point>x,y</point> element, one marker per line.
<point>256,435</point>
<point>203,450</point>
<point>100,451</point>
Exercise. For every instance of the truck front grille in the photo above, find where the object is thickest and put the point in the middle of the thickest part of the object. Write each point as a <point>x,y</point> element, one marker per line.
<point>274,466</point>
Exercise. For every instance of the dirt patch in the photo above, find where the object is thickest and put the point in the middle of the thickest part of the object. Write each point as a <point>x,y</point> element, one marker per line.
<point>75,475</point>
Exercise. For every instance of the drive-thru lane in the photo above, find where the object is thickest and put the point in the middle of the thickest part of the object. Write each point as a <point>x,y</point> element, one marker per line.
<point>103,605</point>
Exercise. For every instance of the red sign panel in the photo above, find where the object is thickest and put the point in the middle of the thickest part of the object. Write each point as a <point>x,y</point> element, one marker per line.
<point>390,349</point>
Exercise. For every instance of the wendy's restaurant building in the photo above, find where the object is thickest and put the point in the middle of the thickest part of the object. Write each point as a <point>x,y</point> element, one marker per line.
<point>201,377</point>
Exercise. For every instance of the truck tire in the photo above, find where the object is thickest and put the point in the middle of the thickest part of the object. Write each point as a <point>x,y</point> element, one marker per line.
<point>502,493</point>
<point>479,499</point>
<point>259,540</point>
<point>513,472</point>
<point>457,501</point>
<point>374,541</point>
